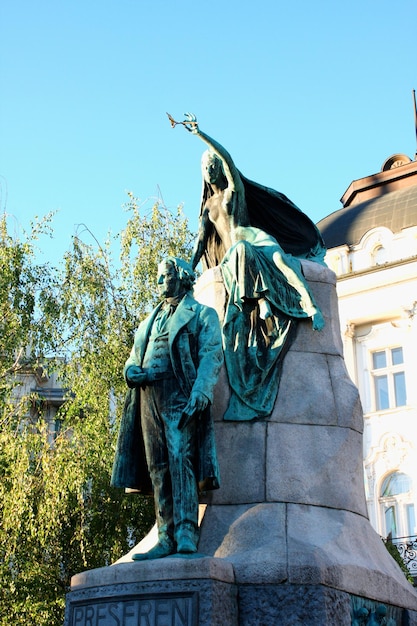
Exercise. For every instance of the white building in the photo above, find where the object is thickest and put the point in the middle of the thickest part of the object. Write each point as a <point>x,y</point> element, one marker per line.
<point>372,247</point>
<point>41,393</point>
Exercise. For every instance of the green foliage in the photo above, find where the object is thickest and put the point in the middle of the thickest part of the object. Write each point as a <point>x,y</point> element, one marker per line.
<point>23,284</point>
<point>390,546</point>
<point>144,244</point>
<point>59,514</point>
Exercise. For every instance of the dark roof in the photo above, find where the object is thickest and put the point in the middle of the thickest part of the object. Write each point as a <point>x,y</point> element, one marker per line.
<point>395,210</point>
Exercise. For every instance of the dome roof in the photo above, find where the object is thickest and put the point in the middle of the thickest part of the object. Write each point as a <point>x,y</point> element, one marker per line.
<point>396,210</point>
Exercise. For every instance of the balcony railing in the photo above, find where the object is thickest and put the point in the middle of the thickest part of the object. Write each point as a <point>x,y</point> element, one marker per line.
<point>407,547</point>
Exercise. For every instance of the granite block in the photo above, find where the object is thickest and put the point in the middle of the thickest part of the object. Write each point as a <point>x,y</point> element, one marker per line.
<point>319,465</point>
<point>305,393</point>
<point>340,549</point>
<point>291,605</point>
<point>254,542</point>
<point>241,451</point>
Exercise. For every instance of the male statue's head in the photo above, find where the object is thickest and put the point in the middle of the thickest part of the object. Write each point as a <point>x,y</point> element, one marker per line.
<point>212,168</point>
<point>175,276</point>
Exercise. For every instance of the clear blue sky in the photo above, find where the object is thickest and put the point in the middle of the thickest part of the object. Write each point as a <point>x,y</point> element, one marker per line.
<point>306,96</point>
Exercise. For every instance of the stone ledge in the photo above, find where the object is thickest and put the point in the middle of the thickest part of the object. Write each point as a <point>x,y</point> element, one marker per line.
<point>171,568</point>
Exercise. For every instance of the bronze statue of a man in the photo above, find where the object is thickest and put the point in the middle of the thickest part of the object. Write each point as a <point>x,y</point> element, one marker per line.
<point>171,372</point>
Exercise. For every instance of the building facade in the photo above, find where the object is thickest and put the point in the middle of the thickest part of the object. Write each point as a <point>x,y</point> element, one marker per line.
<point>372,248</point>
<point>42,394</point>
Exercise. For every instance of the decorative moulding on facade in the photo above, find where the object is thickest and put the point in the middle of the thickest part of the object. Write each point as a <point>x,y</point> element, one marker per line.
<point>389,455</point>
<point>396,160</point>
<point>350,330</point>
<point>370,481</point>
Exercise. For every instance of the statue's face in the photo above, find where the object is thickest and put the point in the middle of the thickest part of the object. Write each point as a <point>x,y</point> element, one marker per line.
<point>212,168</point>
<point>169,283</point>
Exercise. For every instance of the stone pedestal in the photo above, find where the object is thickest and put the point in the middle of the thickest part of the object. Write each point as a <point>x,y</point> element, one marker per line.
<point>286,538</point>
<point>173,591</point>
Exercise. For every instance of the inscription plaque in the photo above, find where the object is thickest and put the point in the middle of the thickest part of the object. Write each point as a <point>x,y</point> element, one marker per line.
<point>137,610</point>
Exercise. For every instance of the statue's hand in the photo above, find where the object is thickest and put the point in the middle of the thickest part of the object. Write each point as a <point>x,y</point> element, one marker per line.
<point>195,405</point>
<point>136,375</point>
<point>190,123</point>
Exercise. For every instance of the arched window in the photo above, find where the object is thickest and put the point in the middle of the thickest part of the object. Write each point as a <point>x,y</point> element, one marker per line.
<point>379,255</point>
<point>396,483</point>
<point>397,507</point>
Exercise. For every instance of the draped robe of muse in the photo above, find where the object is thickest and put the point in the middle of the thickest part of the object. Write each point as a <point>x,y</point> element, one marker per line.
<point>264,262</point>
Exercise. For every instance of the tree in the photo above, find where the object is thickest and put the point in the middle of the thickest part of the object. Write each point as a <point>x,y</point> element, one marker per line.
<point>22,284</point>
<point>59,514</point>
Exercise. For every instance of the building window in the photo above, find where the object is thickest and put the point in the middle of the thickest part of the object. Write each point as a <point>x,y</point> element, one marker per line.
<point>388,378</point>
<point>379,255</point>
<point>394,484</point>
<point>411,519</point>
<point>390,522</point>
<point>398,511</point>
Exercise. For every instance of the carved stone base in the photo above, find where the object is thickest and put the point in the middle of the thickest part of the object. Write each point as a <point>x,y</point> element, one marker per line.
<point>202,591</point>
<point>174,591</point>
<point>293,605</point>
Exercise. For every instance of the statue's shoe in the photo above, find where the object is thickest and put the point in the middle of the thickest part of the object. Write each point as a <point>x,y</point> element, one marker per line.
<point>162,549</point>
<point>186,545</point>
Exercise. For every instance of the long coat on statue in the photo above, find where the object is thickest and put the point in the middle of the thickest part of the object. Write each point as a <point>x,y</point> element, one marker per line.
<point>195,349</point>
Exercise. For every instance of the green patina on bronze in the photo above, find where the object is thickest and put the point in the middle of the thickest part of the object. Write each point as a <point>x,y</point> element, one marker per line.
<point>166,440</point>
<point>257,236</point>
